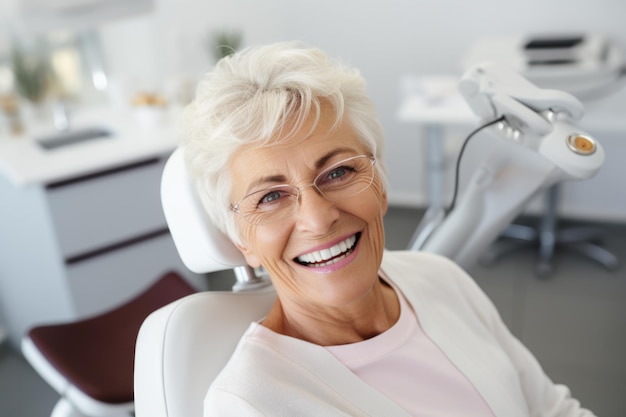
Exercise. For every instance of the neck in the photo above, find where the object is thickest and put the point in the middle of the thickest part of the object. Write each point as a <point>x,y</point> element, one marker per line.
<point>326,326</point>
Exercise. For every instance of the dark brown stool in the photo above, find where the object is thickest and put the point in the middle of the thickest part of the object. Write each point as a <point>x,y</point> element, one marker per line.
<point>90,362</point>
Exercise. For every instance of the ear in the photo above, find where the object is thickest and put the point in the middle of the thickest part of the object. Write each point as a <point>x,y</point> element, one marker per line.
<point>251,257</point>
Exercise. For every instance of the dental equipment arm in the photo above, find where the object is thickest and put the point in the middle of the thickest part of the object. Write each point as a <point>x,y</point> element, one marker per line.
<point>535,145</point>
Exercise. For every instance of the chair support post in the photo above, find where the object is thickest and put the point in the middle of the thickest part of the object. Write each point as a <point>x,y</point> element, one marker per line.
<point>247,279</point>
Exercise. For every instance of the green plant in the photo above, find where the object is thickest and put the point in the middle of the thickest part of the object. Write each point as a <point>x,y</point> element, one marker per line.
<point>32,74</point>
<point>224,43</point>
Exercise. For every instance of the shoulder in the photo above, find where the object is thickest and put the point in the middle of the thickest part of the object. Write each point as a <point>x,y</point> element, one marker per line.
<point>250,356</point>
<point>263,361</point>
<point>425,276</point>
<point>419,266</point>
<point>238,384</point>
<point>411,257</point>
<point>280,377</point>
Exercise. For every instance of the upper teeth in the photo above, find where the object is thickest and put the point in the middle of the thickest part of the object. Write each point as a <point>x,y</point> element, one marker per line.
<point>326,254</point>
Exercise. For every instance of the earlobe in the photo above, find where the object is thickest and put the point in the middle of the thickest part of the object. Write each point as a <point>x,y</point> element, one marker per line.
<point>250,256</point>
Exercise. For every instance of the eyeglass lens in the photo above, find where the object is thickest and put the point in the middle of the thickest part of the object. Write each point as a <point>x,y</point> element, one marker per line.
<point>342,180</point>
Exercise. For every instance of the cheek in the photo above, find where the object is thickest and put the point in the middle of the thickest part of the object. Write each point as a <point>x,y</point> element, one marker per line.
<point>376,212</point>
<point>378,232</point>
<point>269,237</point>
<point>246,232</point>
<point>265,242</point>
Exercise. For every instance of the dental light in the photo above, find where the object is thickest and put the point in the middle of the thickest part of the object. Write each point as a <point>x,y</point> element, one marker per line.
<point>536,144</point>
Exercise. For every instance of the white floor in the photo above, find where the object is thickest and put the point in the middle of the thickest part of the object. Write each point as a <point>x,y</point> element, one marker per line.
<point>574,322</point>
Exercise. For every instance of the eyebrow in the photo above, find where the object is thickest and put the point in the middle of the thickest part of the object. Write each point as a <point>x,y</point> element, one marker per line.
<point>319,164</point>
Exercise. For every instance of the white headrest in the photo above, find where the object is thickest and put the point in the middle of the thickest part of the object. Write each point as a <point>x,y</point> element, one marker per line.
<point>201,246</point>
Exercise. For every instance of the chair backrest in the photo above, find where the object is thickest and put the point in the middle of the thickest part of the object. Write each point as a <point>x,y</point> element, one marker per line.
<point>201,246</point>
<point>183,346</point>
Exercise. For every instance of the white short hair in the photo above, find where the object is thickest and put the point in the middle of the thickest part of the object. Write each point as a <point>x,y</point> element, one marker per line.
<point>258,96</point>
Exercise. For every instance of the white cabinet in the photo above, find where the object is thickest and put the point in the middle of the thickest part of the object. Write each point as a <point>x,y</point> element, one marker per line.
<point>105,208</point>
<point>80,246</point>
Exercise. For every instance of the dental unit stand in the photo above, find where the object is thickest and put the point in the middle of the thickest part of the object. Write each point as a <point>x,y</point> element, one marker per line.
<point>536,146</point>
<point>547,237</point>
<point>435,214</point>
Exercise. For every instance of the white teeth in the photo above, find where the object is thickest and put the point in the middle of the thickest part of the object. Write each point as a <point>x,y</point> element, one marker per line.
<point>326,254</point>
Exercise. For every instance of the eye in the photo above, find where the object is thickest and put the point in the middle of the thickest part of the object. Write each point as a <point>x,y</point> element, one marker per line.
<point>337,175</point>
<point>271,196</point>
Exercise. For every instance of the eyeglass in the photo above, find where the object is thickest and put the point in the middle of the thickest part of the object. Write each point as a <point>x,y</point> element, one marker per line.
<point>342,180</point>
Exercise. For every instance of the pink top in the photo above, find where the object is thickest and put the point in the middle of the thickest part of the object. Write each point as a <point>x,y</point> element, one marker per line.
<point>404,364</point>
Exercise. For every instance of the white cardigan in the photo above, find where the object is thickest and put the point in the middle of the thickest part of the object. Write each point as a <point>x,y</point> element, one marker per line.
<point>295,378</point>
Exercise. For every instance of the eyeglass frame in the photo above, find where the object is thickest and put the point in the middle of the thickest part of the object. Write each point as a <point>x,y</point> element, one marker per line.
<point>236,207</point>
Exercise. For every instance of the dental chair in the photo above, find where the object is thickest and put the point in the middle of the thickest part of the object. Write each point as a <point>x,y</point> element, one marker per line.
<point>183,346</point>
<point>89,362</point>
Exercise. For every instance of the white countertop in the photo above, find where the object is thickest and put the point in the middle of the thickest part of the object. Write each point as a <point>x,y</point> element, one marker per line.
<point>25,162</point>
<point>435,100</point>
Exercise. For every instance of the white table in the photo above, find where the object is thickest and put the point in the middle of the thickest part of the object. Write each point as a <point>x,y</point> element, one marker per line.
<point>434,103</point>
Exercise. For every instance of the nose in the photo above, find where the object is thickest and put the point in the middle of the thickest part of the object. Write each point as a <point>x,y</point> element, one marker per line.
<point>315,213</point>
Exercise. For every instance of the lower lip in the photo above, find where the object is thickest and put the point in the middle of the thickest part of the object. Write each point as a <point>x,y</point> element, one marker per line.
<point>326,269</point>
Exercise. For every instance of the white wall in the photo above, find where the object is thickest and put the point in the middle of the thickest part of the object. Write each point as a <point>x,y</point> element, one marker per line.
<point>387,40</point>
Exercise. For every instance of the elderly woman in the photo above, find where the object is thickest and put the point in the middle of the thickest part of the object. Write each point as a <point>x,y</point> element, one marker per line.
<point>287,152</point>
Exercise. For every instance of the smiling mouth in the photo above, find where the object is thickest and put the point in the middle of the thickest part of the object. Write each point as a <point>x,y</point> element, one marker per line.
<point>330,255</point>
